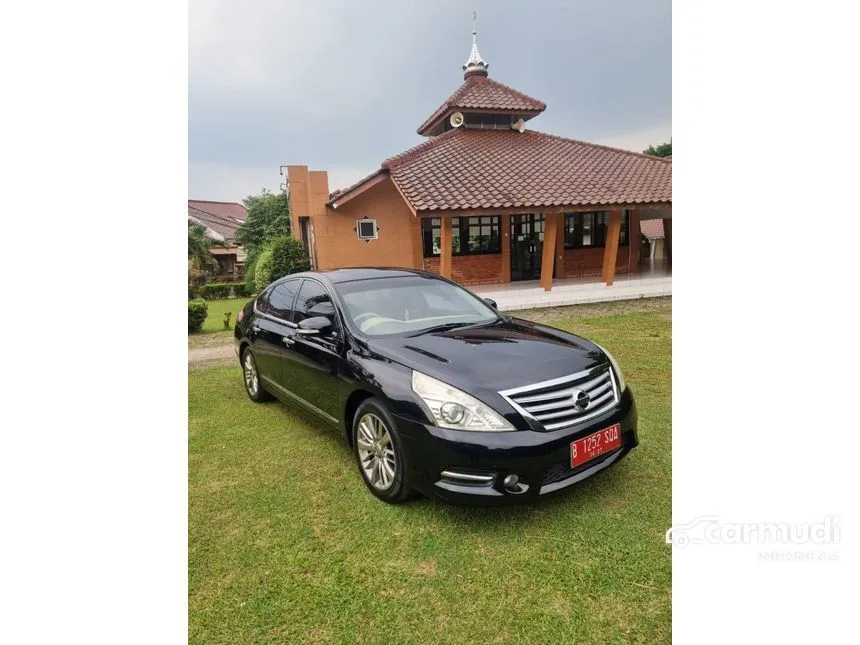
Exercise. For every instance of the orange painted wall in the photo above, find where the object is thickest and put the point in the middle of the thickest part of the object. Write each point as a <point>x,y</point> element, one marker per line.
<point>399,232</point>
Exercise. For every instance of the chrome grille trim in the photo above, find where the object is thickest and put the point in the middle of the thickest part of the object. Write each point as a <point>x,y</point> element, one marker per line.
<point>548,405</point>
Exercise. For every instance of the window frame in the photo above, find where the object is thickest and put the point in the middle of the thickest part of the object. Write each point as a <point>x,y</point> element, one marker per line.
<point>463,227</point>
<point>599,226</point>
<point>372,222</point>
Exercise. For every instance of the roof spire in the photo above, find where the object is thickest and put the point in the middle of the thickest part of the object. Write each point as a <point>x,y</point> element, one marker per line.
<point>475,65</point>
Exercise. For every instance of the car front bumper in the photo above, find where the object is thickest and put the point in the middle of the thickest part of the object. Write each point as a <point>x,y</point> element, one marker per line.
<point>541,460</point>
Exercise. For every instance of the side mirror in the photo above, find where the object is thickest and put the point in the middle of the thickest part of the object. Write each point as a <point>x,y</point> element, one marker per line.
<point>491,302</point>
<point>316,326</point>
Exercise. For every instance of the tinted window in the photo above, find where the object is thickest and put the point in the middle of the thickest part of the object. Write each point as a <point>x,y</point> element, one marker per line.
<point>406,305</point>
<point>262,303</point>
<point>281,299</point>
<point>313,301</point>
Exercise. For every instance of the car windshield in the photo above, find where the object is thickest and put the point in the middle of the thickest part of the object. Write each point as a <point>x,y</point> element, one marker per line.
<point>411,305</point>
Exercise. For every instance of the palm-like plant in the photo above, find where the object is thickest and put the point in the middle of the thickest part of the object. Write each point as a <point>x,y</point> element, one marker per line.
<point>200,260</point>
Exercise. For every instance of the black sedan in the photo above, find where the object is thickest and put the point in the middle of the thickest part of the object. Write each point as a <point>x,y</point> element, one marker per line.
<point>435,390</point>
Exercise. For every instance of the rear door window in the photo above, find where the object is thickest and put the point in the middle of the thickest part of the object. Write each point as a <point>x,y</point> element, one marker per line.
<point>281,300</point>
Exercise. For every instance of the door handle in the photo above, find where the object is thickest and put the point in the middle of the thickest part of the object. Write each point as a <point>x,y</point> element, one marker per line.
<point>289,342</point>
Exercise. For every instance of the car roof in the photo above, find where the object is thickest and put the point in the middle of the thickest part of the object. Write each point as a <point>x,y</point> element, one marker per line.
<point>367,273</point>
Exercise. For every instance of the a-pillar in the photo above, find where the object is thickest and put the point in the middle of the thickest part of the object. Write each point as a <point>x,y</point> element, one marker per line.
<point>667,244</point>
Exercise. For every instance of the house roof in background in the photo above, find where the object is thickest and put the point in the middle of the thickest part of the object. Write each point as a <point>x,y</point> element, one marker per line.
<point>652,229</point>
<point>221,217</point>
<point>480,169</point>
<point>483,93</point>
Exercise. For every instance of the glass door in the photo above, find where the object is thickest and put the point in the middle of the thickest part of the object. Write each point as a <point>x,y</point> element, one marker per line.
<point>526,246</point>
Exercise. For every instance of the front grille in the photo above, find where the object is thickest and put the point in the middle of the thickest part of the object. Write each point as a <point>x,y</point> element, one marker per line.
<point>552,403</point>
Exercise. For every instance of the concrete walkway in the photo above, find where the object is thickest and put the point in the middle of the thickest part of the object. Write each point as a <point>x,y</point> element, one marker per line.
<point>530,295</point>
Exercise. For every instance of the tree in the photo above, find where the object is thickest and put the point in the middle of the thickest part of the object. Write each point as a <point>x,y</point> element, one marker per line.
<point>663,150</point>
<point>268,217</point>
<point>200,260</point>
<point>281,256</point>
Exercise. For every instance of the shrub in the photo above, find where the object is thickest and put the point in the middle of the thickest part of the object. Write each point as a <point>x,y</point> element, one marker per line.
<point>288,256</point>
<point>220,290</point>
<point>193,291</point>
<point>197,310</point>
<point>250,274</point>
<point>263,269</point>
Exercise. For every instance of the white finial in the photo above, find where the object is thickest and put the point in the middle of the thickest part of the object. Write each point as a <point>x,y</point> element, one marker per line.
<point>475,64</point>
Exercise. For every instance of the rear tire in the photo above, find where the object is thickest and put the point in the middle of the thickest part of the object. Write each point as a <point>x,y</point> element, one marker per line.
<point>379,453</point>
<point>251,377</point>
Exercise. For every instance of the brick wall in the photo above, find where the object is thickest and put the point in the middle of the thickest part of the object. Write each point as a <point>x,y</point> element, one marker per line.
<point>580,263</point>
<point>471,269</point>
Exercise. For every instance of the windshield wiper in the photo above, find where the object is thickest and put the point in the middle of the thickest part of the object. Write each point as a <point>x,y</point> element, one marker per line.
<point>444,327</point>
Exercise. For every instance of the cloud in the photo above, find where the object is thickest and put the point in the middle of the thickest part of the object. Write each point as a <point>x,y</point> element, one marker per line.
<point>341,85</point>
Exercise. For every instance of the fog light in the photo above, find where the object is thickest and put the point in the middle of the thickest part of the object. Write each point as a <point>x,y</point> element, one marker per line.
<point>511,482</point>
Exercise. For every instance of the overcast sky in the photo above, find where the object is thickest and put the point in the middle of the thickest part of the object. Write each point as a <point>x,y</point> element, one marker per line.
<point>340,85</point>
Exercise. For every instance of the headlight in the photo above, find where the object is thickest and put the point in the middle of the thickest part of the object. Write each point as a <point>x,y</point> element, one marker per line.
<point>616,367</point>
<point>453,408</point>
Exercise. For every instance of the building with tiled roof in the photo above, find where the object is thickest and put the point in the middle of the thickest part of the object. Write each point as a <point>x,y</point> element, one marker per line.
<point>484,199</point>
<point>221,220</point>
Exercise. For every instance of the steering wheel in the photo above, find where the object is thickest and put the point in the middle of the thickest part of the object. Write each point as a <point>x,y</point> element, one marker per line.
<point>362,317</point>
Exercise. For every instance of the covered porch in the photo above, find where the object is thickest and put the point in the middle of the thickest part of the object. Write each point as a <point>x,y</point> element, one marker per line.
<point>547,250</point>
<point>655,280</point>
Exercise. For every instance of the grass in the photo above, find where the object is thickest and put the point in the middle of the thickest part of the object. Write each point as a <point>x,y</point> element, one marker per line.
<point>286,545</point>
<point>215,314</point>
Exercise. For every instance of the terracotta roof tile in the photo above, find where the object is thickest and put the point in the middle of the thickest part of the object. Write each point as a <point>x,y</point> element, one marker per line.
<point>471,169</point>
<point>482,93</point>
<point>652,229</point>
<point>221,217</point>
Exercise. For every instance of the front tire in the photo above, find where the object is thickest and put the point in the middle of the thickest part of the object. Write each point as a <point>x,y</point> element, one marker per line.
<point>379,452</point>
<point>251,377</point>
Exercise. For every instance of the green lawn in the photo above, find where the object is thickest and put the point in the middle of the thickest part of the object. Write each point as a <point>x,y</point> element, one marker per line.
<point>216,310</point>
<point>286,545</point>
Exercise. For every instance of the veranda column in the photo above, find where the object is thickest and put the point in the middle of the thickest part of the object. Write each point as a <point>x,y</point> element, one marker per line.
<point>559,247</point>
<point>445,242</point>
<point>505,241</point>
<point>634,239</point>
<point>610,253</point>
<point>550,234</point>
<point>667,244</point>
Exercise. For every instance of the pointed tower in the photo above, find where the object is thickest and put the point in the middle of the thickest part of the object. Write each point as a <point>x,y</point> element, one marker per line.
<point>475,65</point>
<point>480,102</point>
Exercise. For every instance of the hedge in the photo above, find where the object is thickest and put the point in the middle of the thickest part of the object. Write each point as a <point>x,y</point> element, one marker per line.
<point>197,310</point>
<point>221,290</point>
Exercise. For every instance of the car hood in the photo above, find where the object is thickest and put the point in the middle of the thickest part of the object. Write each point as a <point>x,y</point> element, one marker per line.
<point>493,357</point>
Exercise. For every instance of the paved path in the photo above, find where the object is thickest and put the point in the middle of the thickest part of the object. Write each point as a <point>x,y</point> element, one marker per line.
<point>212,356</point>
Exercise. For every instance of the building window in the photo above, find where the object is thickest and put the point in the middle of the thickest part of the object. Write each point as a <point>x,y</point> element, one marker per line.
<point>469,235</point>
<point>366,229</point>
<point>588,230</point>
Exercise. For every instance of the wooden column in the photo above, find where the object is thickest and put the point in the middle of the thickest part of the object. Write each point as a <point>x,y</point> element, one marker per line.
<point>445,243</point>
<point>550,234</point>
<point>667,244</point>
<point>559,247</point>
<point>505,241</point>
<point>610,253</point>
<point>634,239</point>
<point>417,244</point>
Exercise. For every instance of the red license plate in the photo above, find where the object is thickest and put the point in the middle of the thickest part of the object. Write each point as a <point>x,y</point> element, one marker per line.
<point>594,445</point>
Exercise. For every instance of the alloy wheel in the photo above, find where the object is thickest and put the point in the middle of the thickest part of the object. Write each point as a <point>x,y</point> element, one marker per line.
<point>252,381</point>
<point>376,452</point>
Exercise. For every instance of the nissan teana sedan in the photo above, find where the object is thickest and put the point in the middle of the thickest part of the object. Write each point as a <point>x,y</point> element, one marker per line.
<point>435,390</point>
